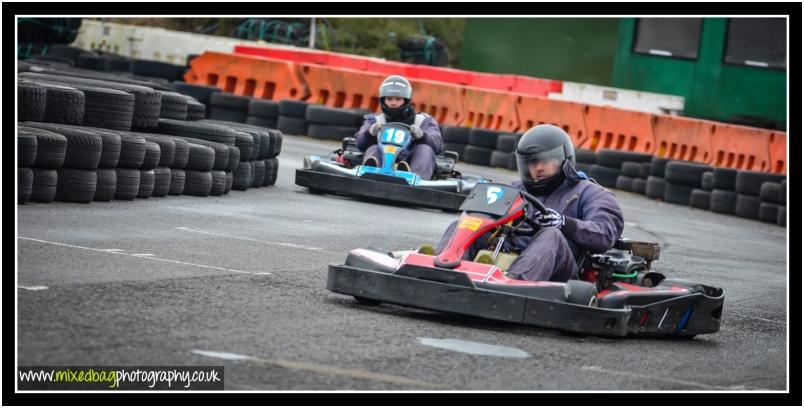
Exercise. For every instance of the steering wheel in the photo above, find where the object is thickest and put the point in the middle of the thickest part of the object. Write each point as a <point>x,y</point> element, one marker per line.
<point>539,206</point>
<point>398,124</point>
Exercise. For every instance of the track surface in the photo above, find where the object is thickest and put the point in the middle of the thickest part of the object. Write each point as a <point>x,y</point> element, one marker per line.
<point>245,273</point>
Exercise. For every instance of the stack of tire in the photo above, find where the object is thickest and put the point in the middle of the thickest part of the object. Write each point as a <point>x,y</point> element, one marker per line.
<point>584,160</point>
<point>258,167</point>
<point>327,123</point>
<point>40,154</point>
<point>681,178</point>
<point>291,120</point>
<point>201,93</point>
<point>229,107</point>
<point>455,138</point>
<point>609,164</point>
<point>482,142</point>
<point>749,187</point>
<point>771,208</point>
<point>263,113</point>
<point>702,197</point>
<point>505,154</point>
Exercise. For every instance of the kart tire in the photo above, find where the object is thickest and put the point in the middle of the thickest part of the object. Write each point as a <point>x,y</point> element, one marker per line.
<point>605,176</point>
<point>658,166</point>
<point>750,182</point>
<point>161,182</point>
<point>723,178</point>
<point>483,138</point>
<point>769,192</point>
<point>106,186</point>
<point>459,148</point>
<point>768,212</point>
<point>723,202</point>
<point>329,132</point>
<point>178,178</point>
<point>500,159</point>
<point>198,130</point>
<point>26,148</point>
<point>582,293</point>
<point>685,173</point>
<point>291,125</point>
<point>366,301</point>
<point>293,109</point>
<point>218,183</point>
<point>152,156</point>
<point>147,183</point>
<point>262,122</point>
<point>259,173</point>
<point>229,115</point>
<point>640,186</point>
<point>477,155</point>
<point>633,170</point>
<point>700,199</point>
<point>677,193</point>
<point>197,183</point>
<point>324,115</point>
<point>83,147</point>
<point>781,216</point>
<point>24,184</point>
<point>196,110</point>
<point>655,187</point>
<point>624,183</point>
<point>615,158</point>
<point>263,109</point>
<point>31,100</point>
<point>128,184</point>
<point>202,93</point>
<point>455,134</point>
<point>45,182</point>
<point>783,192</point>
<point>585,156</point>
<point>747,206</point>
<point>242,177</point>
<point>507,143</point>
<point>173,106</point>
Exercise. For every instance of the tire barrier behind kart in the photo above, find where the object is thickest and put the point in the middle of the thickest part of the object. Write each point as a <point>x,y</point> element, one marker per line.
<point>455,134</point>
<point>329,132</point>
<point>152,155</point>
<point>658,166</point>
<point>83,147</point>
<point>266,123</point>
<point>747,206</point>
<point>260,108</point>
<point>585,156</point>
<point>26,148</point>
<point>218,187</point>
<point>500,159</point>
<point>677,193</point>
<point>781,216</point>
<point>724,179</point>
<point>161,181</point>
<point>51,148</point>
<point>197,183</point>
<point>770,192</point>
<point>106,186</point>
<point>584,167</point>
<point>750,182</point>
<point>196,110</point>
<point>333,116</point>
<point>634,170</point>
<point>783,192</point>
<point>270,139</point>
<point>483,138</point>
<point>654,188</point>
<point>157,69</point>
<point>43,188</point>
<point>147,182</point>
<point>173,106</point>
<point>768,212</point>
<point>243,176</point>
<point>685,173</point>
<point>700,199</point>
<point>459,148</point>
<point>271,171</point>
<point>228,185</point>
<point>202,93</point>
<point>615,158</point>
<point>477,155</point>
<point>31,102</point>
<point>201,158</point>
<point>24,184</point>
<point>128,183</point>
<point>506,143</point>
<point>167,150</point>
<point>291,125</point>
<point>111,145</point>
<point>723,202</point>
<point>605,176</point>
<point>624,183</point>
<point>177,181</point>
<point>640,186</point>
<point>65,105</point>
<point>259,173</point>
<point>291,108</point>
<point>707,180</point>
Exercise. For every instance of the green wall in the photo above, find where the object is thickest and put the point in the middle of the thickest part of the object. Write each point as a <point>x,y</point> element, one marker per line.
<point>570,49</point>
<point>711,89</point>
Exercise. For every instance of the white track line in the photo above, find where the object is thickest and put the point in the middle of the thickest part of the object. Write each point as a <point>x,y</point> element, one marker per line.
<point>283,244</point>
<point>754,317</point>
<point>140,256</point>
<point>33,287</point>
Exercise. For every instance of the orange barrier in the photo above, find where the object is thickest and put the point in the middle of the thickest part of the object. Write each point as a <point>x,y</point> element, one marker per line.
<point>259,77</point>
<point>680,138</point>
<point>534,110</point>
<point>342,88</point>
<point>777,151</point>
<point>612,128</point>
<point>442,101</point>
<point>490,109</point>
<point>739,147</point>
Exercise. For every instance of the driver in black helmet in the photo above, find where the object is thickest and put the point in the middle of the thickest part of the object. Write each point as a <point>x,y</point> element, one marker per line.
<point>580,213</point>
<point>395,100</point>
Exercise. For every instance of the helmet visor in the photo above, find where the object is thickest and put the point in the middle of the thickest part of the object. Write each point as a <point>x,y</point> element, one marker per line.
<point>534,163</point>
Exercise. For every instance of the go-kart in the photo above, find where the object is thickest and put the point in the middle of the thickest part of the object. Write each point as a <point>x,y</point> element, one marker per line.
<point>613,294</point>
<point>344,174</point>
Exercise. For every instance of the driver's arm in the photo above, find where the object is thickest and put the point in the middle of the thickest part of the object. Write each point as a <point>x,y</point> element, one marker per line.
<point>432,135</point>
<point>363,139</point>
<point>600,221</point>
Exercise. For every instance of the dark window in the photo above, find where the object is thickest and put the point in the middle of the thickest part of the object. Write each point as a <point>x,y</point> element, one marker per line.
<point>668,37</point>
<point>758,42</point>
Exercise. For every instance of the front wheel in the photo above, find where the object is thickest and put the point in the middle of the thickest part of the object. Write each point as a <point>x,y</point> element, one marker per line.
<point>582,293</point>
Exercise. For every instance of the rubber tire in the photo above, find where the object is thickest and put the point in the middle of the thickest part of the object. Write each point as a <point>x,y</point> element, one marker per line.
<point>483,138</point>
<point>128,184</point>
<point>603,175</point>
<point>31,100</point>
<point>500,159</point>
<point>106,186</point>
<point>26,149</point>
<point>271,171</point>
<point>218,183</point>
<point>161,182</point>
<point>229,180</point>
<point>747,206</point>
<point>507,143</point>
<point>196,111</point>
<point>459,148</point>
<point>83,147</point>
<point>259,173</point>
<point>234,158</point>
<point>51,148</point>
<point>324,115</point>
<point>750,182</point>
<point>64,105</point>
<point>291,125</point>
<point>582,293</point>
<point>157,69</point>
<point>173,106</point>
<point>700,199</point>
<point>229,115</point>
<point>625,183</point>
<point>24,184</point>
<point>220,153</point>
<point>202,93</point>
<point>264,109</point>
<point>477,155</point>
<point>147,183</point>
<point>640,186</point>
<point>585,156</point>
<point>201,158</point>
<point>582,167</point>
<point>291,108</point>
<point>768,212</point>
<point>242,177</point>
<point>177,179</point>
<point>685,173</point>
<point>723,178</point>
<point>167,150</point>
<point>783,192</point>
<point>455,134</point>
<point>707,180</point>
<point>182,153</point>
<point>781,217</point>
<point>198,130</point>
<point>723,202</point>
<point>655,187</point>
<point>152,156</point>
<point>45,182</point>
<point>770,192</point>
<point>111,146</point>
<point>132,151</point>
<point>262,122</point>
<point>276,144</point>
<point>329,132</point>
<point>632,170</point>
<point>615,158</point>
<point>197,183</point>
<point>225,100</point>
<point>658,166</point>
<point>677,193</point>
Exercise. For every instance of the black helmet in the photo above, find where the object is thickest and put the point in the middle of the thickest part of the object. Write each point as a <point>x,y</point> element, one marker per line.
<point>397,85</point>
<point>543,142</point>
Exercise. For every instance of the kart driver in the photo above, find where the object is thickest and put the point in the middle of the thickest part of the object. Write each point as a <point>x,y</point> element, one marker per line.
<point>395,99</point>
<point>580,213</point>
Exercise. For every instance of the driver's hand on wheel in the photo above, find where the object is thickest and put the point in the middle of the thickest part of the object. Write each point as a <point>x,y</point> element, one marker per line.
<point>550,218</point>
<point>416,131</point>
<point>375,128</point>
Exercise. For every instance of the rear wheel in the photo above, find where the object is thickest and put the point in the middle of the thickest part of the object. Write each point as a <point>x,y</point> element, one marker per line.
<point>582,293</point>
<point>366,301</point>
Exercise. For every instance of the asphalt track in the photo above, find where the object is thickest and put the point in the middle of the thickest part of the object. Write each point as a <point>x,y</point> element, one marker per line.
<point>239,281</point>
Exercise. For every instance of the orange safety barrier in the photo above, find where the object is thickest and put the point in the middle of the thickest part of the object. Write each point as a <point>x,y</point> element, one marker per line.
<point>739,147</point>
<point>680,138</point>
<point>259,77</point>
<point>341,87</point>
<point>442,101</point>
<point>489,109</point>
<point>535,86</point>
<point>612,128</point>
<point>778,152</point>
<point>535,110</point>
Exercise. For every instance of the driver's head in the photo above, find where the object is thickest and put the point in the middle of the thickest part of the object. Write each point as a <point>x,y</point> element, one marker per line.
<point>395,99</point>
<point>540,156</point>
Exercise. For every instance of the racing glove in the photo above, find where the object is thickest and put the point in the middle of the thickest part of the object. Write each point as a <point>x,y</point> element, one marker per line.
<point>375,128</point>
<point>550,218</point>
<point>416,131</point>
